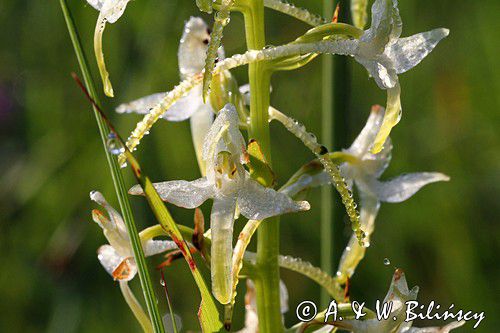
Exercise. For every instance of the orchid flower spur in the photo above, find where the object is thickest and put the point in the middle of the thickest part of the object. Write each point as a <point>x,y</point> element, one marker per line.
<point>385,55</point>
<point>109,11</point>
<point>191,57</point>
<point>229,185</point>
<point>117,257</point>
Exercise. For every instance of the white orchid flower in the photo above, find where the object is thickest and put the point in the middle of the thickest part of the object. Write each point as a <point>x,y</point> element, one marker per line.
<point>109,11</point>
<point>117,257</point>
<point>385,55</point>
<point>398,294</point>
<point>229,185</point>
<point>365,170</point>
<point>191,56</point>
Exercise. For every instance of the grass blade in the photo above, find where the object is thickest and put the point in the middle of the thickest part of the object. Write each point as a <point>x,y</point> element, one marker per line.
<point>121,192</point>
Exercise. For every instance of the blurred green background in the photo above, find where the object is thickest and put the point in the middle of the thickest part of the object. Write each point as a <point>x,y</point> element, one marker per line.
<point>445,237</point>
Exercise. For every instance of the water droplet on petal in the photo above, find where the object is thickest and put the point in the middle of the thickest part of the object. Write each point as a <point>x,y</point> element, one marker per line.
<point>114,145</point>
<point>387,262</point>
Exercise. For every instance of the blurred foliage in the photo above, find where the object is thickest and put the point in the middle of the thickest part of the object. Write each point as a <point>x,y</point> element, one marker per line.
<point>445,238</point>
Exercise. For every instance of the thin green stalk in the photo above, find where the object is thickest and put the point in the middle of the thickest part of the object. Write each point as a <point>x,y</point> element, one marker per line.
<point>327,136</point>
<point>267,283</point>
<point>121,191</point>
<point>340,112</point>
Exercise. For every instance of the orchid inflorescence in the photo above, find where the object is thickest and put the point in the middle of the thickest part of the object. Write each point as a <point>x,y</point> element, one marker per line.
<point>236,173</point>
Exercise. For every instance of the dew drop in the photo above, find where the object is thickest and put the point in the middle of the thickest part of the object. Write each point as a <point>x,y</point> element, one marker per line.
<point>162,282</point>
<point>114,145</point>
<point>387,262</point>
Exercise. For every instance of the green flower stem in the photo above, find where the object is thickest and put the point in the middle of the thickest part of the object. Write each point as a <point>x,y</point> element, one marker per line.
<point>267,282</point>
<point>121,191</point>
<point>326,253</point>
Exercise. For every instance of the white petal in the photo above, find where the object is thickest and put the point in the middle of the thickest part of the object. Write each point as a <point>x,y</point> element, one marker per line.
<point>113,9</point>
<point>283,297</point>
<point>307,181</point>
<point>109,258</point>
<point>380,69</point>
<point>221,224</point>
<point>142,105</point>
<point>181,192</point>
<point>115,217</point>
<point>398,294</point>
<point>226,119</point>
<point>181,110</point>
<point>403,187</point>
<point>192,48</point>
<point>152,247</point>
<point>386,25</point>
<point>257,202</point>
<point>186,106</point>
<point>245,92</point>
<point>201,121</point>
<point>407,52</point>
<point>364,140</point>
<point>97,4</point>
<point>120,268</point>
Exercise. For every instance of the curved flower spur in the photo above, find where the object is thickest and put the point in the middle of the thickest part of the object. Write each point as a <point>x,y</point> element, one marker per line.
<point>109,11</point>
<point>192,52</point>
<point>230,186</point>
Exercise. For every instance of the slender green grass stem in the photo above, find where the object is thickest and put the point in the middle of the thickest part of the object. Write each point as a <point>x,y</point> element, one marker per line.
<point>327,137</point>
<point>121,191</point>
<point>267,282</point>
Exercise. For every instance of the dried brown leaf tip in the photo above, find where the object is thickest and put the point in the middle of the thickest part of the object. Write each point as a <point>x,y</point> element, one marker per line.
<point>335,17</point>
<point>347,290</point>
